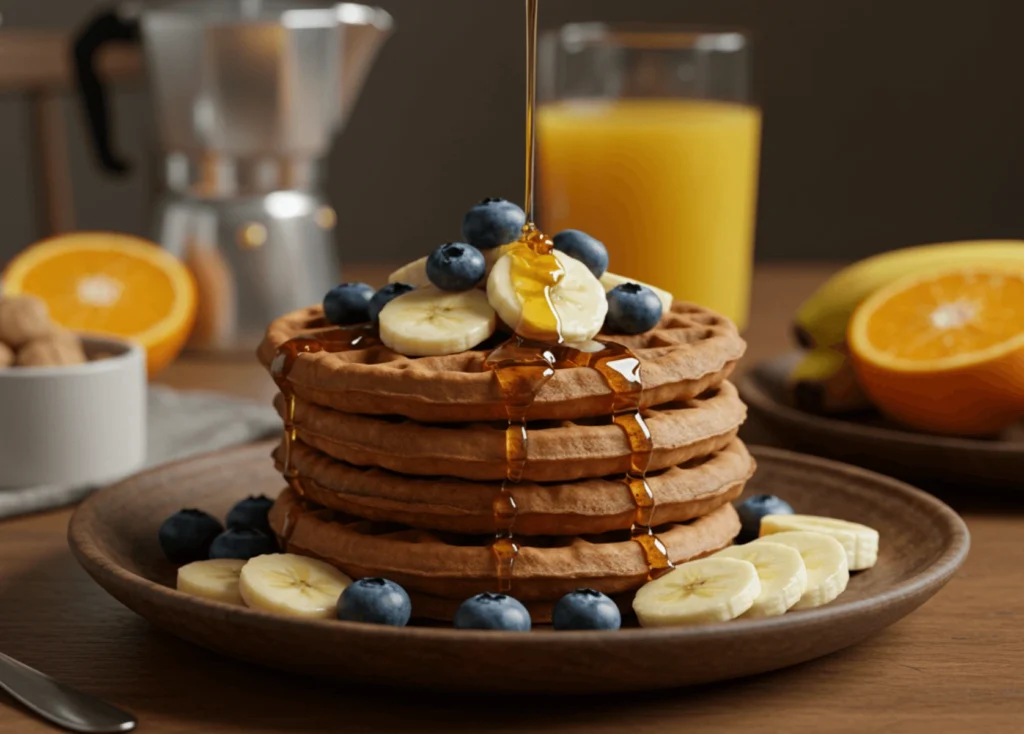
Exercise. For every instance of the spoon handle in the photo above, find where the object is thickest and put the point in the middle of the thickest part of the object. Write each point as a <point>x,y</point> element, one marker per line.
<point>60,704</point>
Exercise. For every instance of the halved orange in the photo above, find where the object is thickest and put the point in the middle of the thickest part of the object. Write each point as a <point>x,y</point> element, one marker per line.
<point>111,284</point>
<point>944,351</point>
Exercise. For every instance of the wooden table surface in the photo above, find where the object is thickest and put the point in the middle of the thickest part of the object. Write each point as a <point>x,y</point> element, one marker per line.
<point>956,665</point>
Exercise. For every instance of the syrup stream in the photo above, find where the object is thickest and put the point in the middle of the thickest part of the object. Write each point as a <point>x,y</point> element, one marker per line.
<point>532,13</point>
<point>523,366</point>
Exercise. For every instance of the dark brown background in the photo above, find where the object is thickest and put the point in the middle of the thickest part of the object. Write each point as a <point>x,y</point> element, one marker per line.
<point>887,123</point>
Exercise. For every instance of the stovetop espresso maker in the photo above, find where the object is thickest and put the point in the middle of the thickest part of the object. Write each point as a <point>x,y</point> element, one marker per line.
<point>248,95</point>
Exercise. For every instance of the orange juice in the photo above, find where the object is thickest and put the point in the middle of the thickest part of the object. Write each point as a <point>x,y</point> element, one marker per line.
<point>669,185</point>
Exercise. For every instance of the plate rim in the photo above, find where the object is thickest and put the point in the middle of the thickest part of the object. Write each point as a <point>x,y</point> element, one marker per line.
<point>935,575</point>
<point>753,393</point>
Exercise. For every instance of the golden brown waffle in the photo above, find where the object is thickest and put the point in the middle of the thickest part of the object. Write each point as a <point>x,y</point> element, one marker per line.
<point>557,451</point>
<point>441,570</point>
<point>583,507</point>
<point>693,349</point>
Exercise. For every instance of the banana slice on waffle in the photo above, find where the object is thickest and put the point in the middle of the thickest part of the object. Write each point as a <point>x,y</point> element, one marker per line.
<point>611,281</point>
<point>573,293</point>
<point>430,322</point>
<point>414,273</point>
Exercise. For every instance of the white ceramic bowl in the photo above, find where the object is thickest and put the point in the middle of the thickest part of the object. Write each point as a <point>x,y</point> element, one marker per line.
<point>78,425</point>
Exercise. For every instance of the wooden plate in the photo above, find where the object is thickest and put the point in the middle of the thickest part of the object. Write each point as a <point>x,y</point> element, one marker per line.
<point>113,535</point>
<point>870,441</point>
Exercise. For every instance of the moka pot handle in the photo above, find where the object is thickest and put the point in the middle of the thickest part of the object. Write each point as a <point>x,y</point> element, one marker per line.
<point>119,24</point>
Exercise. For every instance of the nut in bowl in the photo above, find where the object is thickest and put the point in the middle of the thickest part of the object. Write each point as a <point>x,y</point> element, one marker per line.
<point>73,407</point>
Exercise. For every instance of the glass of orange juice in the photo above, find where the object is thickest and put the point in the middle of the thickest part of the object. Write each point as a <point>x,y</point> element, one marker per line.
<point>648,140</point>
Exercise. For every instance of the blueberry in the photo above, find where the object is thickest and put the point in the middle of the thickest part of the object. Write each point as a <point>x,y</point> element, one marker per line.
<point>456,267</point>
<point>242,543</point>
<point>385,295</point>
<point>492,612</point>
<point>187,534</point>
<point>251,513</point>
<point>583,247</point>
<point>632,309</point>
<point>756,507</point>
<point>586,609</point>
<point>377,601</point>
<point>348,303</point>
<point>492,223</point>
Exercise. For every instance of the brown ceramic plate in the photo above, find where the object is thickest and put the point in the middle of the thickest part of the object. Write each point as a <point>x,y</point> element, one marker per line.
<point>113,535</point>
<point>869,440</point>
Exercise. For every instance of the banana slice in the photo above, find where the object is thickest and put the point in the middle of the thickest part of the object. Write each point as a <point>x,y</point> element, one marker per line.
<point>492,256</point>
<point>825,559</point>
<point>415,273</point>
<point>611,280</point>
<point>859,541</point>
<point>429,321</point>
<point>707,590</point>
<point>781,571</point>
<point>215,579</point>
<point>292,585</point>
<point>577,299</point>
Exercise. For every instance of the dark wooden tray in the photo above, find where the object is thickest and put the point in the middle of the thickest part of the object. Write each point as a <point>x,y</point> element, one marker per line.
<point>869,440</point>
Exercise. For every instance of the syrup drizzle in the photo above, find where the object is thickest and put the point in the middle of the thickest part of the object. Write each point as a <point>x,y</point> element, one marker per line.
<point>524,364</point>
<point>521,368</point>
<point>620,369</point>
<point>319,337</point>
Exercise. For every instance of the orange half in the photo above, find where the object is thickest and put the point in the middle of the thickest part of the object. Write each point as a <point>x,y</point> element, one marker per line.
<point>111,284</point>
<point>944,351</point>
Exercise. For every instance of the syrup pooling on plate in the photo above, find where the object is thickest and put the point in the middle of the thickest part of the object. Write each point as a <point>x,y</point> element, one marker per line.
<point>521,368</point>
<point>316,338</point>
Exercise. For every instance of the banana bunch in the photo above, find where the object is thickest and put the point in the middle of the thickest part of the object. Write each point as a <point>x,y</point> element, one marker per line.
<point>823,381</point>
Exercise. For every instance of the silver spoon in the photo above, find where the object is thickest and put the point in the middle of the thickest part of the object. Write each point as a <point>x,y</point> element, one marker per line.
<point>60,704</point>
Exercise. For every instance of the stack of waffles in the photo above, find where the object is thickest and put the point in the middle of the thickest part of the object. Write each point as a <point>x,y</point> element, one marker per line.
<point>512,467</point>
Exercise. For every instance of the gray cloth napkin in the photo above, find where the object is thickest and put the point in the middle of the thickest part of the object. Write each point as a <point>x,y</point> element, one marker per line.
<point>179,424</point>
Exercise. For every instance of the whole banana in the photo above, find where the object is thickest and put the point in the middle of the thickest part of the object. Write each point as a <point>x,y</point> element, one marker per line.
<point>821,321</point>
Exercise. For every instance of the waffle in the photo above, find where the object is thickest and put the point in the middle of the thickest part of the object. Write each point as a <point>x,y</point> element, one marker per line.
<point>557,451</point>
<point>440,570</point>
<point>583,507</point>
<point>690,351</point>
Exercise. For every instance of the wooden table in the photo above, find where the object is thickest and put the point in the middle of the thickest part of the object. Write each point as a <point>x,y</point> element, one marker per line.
<point>956,665</point>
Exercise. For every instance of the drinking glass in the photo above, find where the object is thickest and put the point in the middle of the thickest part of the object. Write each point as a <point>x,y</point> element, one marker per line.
<point>648,140</point>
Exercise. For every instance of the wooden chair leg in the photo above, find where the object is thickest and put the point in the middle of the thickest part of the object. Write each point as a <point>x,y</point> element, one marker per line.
<point>55,194</point>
